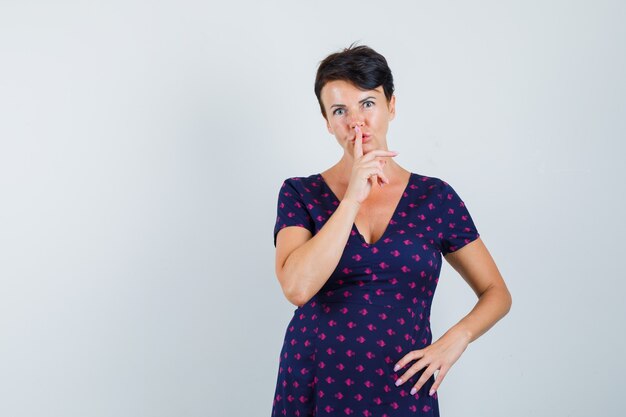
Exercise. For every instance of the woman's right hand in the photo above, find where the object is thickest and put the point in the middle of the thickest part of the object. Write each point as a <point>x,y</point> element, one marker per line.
<point>366,170</point>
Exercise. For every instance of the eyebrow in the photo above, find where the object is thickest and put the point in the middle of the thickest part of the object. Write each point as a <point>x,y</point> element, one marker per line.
<point>343,105</point>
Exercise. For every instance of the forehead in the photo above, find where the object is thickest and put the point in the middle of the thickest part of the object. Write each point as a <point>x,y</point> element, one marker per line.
<point>343,89</point>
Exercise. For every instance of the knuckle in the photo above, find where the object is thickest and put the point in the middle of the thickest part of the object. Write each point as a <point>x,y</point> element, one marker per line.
<point>414,369</point>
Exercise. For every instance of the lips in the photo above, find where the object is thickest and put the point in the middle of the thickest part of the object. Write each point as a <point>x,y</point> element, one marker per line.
<point>365,138</point>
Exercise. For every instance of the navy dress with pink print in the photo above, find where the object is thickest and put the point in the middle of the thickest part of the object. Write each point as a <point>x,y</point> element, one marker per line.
<point>341,346</point>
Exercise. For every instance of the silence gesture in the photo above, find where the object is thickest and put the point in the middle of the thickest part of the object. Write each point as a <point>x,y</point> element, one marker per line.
<point>367,169</point>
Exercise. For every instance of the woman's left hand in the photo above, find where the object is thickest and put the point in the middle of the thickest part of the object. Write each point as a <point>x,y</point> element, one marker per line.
<point>441,355</point>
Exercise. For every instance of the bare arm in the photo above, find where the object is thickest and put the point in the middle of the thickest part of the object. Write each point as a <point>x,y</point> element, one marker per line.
<point>476,266</point>
<point>304,263</point>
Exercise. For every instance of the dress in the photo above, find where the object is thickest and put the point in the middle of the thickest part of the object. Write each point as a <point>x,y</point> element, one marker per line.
<point>341,346</point>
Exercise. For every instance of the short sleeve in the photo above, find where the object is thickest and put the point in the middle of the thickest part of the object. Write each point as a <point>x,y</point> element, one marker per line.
<point>291,210</point>
<point>457,226</point>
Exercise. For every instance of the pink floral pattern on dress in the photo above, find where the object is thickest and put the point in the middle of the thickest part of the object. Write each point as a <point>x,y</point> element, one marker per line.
<point>340,347</point>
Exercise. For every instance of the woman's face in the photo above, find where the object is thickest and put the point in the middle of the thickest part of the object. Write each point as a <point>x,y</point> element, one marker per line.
<point>346,106</point>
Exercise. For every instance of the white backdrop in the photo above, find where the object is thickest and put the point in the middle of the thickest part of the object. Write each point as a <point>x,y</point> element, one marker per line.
<point>143,144</point>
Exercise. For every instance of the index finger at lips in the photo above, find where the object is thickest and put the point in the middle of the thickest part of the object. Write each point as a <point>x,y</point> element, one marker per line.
<point>358,142</point>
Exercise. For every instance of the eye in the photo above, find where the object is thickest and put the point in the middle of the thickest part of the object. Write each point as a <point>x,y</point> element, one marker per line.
<point>337,110</point>
<point>367,103</point>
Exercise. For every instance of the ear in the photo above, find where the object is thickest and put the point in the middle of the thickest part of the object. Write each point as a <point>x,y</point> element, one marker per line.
<point>392,107</point>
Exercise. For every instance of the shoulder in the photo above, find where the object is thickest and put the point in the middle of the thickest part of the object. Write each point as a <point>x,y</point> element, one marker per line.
<point>301,181</point>
<point>301,185</point>
<point>429,184</point>
<point>435,192</point>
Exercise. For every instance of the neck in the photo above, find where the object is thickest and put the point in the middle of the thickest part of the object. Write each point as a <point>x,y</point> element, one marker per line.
<point>342,170</point>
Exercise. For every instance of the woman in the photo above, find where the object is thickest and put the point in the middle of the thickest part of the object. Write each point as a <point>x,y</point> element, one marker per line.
<point>358,250</point>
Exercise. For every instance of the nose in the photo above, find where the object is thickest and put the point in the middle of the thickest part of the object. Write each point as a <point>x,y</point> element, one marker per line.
<point>356,122</point>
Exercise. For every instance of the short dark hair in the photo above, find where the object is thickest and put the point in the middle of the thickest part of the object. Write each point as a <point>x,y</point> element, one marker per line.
<point>359,65</point>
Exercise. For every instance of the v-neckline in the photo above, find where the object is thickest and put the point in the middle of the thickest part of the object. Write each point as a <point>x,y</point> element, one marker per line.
<point>393,215</point>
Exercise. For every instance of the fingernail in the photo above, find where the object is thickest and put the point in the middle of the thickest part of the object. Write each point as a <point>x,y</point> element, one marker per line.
<point>356,128</point>
<point>395,368</point>
<point>398,382</point>
<point>413,391</point>
<point>431,392</point>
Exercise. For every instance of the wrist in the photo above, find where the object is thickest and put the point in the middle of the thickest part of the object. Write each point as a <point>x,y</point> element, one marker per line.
<point>462,332</point>
<point>350,203</point>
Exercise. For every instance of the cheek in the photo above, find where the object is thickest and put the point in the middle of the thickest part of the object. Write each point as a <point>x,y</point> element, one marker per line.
<point>380,121</point>
<point>339,129</point>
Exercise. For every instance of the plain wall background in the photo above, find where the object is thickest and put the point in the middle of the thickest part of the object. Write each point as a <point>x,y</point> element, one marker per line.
<point>143,144</point>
